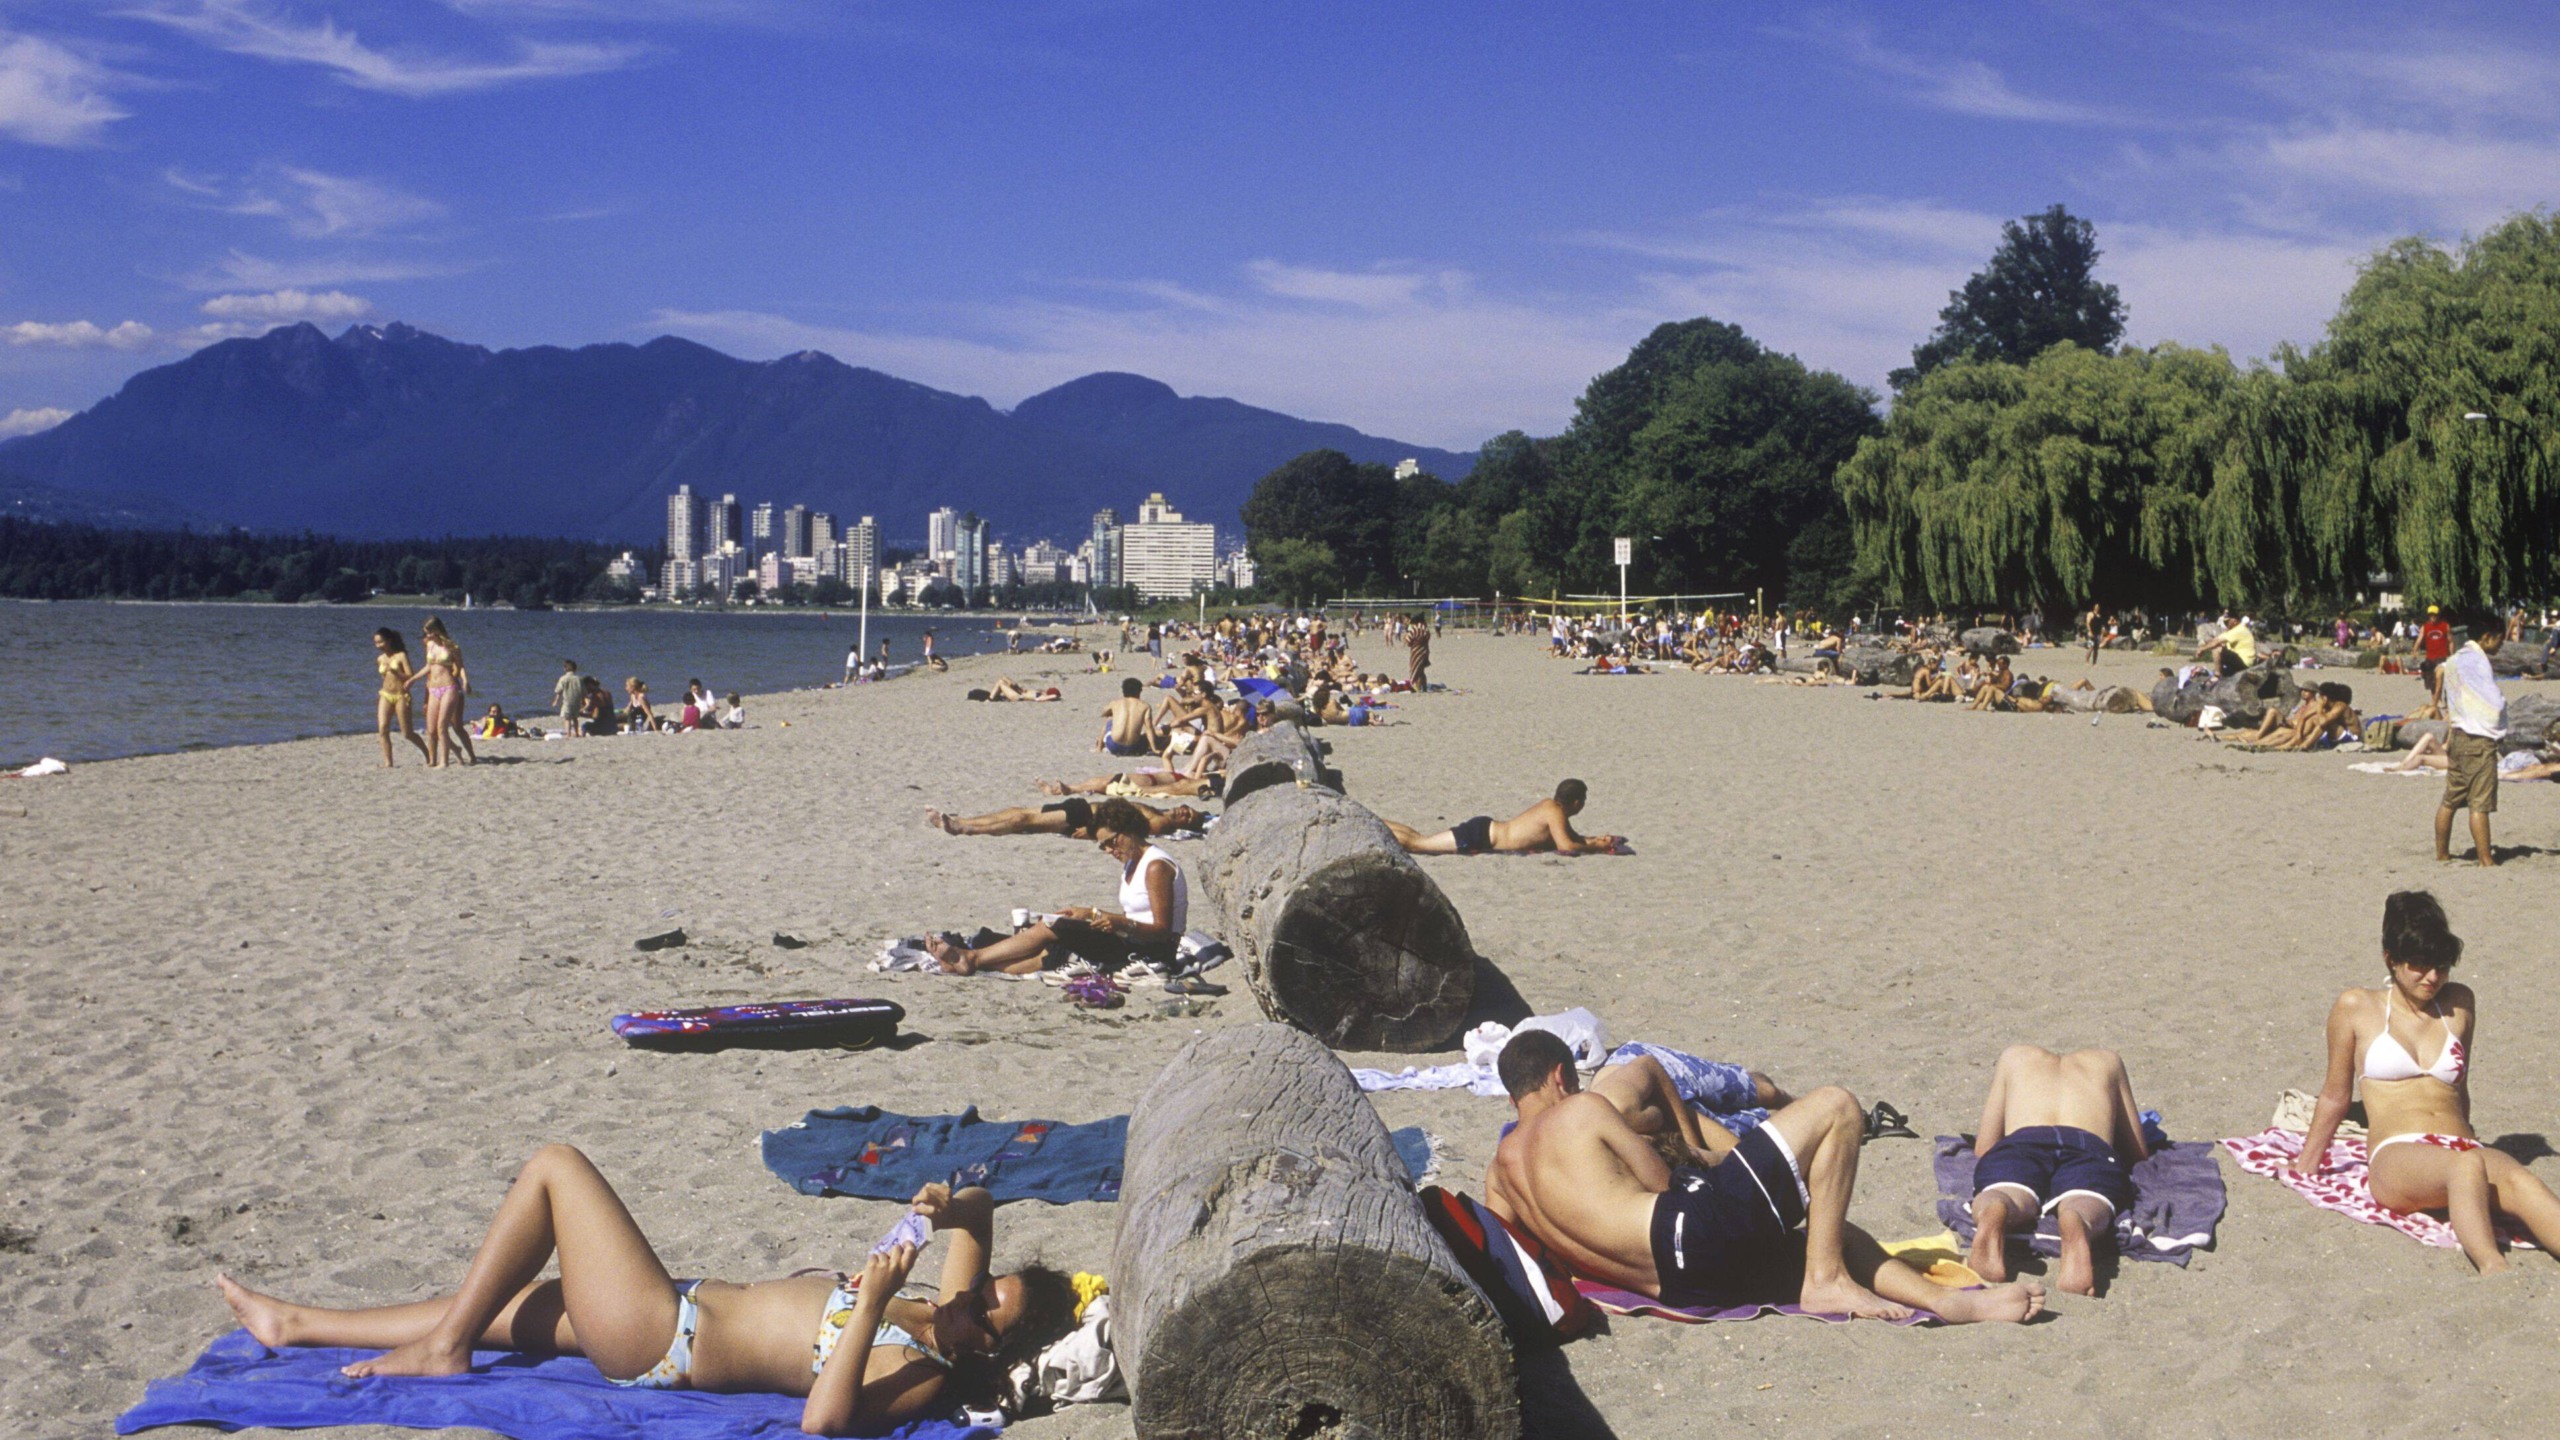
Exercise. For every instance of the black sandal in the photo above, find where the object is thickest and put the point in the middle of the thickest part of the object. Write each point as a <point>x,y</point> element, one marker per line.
<point>1885,1122</point>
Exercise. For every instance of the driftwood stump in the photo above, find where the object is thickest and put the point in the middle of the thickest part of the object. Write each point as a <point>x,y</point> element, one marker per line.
<point>1341,934</point>
<point>1285,754</point>
<point>1273,1274</point>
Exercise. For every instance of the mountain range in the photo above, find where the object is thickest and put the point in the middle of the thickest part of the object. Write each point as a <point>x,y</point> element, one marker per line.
<point>389,431</point>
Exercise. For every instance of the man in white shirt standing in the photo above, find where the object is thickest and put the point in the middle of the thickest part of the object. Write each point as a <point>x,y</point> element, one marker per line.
<point>2476,719</point>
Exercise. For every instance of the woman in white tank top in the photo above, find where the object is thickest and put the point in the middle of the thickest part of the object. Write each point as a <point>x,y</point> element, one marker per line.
<point>1155,909</point>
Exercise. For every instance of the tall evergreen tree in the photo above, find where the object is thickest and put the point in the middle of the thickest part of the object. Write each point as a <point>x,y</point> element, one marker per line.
<point>2040,290</point>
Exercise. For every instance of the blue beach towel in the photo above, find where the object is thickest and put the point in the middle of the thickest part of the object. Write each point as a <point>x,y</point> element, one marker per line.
<point>238,1383</point>
<point>874,1154</point>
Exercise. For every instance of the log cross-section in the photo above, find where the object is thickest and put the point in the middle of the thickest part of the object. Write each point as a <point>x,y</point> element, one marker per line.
<point>1341,934</point>
<point>1274,1275</point>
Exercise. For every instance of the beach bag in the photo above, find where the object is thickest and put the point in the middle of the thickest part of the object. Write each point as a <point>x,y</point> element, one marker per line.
<point>2382,734</point>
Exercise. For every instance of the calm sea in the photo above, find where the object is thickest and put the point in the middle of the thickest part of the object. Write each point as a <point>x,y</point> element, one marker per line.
<point>95,680</point>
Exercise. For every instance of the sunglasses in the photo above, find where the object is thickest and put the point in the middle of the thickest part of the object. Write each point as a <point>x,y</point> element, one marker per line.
<point>2427,967</point>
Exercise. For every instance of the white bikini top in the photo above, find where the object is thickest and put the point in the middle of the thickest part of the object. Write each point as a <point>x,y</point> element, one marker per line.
<point>2387,1059</point>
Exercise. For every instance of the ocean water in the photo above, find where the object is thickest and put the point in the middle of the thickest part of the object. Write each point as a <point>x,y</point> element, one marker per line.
<point>94,680</point>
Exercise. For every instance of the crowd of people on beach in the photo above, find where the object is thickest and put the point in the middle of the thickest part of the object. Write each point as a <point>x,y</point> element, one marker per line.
<point>581,704</point>
<point>1630,1181</point>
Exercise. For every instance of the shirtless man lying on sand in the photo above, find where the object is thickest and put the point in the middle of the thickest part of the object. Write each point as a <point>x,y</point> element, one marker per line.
<point>1071,817</point>
<point>1547,825</point>
<point>2060,1134</point>
<point>1151,784</point>
<point>1575,1175</point>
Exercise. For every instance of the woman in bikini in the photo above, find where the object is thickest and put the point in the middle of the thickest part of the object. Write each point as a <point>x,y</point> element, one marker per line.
<point>2409,1044</point>
<point>446,685</point>
<point>866,1355</point>
<point>391,699</point>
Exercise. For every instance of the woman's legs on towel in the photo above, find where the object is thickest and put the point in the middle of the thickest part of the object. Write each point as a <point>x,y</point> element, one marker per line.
<point>1020,953</point>
<point>617,1304</point>
<point>2470,1186</point>
<point>533,1322</point>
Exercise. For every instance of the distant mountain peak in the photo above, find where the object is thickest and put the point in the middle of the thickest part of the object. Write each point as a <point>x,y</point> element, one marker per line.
<point>389,430</point>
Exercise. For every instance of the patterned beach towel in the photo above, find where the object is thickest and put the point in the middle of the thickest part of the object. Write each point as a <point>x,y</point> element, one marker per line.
<point>2344,1185</point>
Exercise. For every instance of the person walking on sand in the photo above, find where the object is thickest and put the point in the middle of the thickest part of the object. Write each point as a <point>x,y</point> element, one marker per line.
<point>564,696</point>
<point>2435,643</point>
<point>391,705</point>
<point>447,685</point>
<point>2476,720</point>
<point>1417,647</point>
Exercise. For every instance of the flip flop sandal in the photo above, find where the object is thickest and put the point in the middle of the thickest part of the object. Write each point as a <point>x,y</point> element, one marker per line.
<point>1885,1122</point>
<point>1193,985</point>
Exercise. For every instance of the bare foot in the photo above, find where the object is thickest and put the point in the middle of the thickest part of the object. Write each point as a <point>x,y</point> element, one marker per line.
<point>953,959</point>
<point>2015,1304</point>
<point>418,1357</point>
<point>2076,1272</point>
<point>1053,787</point>
<point>1989,1256</point>
<point>1844,1296</point>
<point>935,819</point>
<point>264,1316</point>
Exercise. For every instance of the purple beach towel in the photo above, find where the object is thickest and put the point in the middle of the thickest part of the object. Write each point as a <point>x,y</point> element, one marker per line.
<point>2178,1199</point>
<point>238,1383</point>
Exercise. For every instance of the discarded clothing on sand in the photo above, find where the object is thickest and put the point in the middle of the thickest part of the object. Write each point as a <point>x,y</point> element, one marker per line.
<point>239,1383</point>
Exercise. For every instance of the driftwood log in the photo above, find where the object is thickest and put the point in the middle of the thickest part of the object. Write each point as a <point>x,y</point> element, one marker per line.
<point>1285,754</point>
<point>1341,934</point>
<point>1273,1274</point>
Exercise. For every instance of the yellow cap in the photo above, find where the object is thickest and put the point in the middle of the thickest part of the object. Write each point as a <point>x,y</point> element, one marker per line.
<point>2431,610</point>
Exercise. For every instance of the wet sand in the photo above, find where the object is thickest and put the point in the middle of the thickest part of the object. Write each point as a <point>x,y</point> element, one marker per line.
<point>276,1011</point>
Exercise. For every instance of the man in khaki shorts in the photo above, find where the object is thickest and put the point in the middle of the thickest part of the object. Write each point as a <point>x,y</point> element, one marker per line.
<point>2476,720</point>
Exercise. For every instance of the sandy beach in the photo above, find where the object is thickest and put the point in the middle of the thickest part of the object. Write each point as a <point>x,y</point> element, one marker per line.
<point>276,1011</point>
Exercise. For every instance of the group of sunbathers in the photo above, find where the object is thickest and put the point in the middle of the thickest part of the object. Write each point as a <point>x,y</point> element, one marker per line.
<point>1632,1191</point>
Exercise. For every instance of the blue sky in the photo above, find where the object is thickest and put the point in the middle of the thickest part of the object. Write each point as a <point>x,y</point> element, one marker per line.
<point>1434,221</point>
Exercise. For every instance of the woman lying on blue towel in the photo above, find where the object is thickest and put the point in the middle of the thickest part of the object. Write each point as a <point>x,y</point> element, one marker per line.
<point>868,1356</point>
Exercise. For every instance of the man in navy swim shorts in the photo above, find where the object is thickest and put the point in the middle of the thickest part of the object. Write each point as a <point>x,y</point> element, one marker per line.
<point>2060,1136</point>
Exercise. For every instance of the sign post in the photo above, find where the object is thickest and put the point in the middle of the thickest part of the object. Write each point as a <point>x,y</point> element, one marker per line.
<point>1626,553</point>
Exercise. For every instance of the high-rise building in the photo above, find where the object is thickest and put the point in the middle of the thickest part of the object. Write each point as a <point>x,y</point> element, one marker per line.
<point>684,524</point>
<point>942,533</point>
<point>761,535</point>
<point>1165,556</point>
<point>822,532</point>
<point>1407,468</point>
<point>721,525</point>
<point>969,555</point>
<point>1105,559</point>
<point>862,552</point>
<point>795,533</point>
<point>1000,572</point>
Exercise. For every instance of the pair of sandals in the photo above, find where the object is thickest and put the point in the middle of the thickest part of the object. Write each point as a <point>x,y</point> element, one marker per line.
<point>1885,1122</point>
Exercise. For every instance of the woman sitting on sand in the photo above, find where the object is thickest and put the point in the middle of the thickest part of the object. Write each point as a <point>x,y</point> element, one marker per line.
<point>2409,1043</point>
<point>878,1358</point>
<point>391,704</point>
<point>1155,906</point>
<point>595,708</point>
<point>637,717</point>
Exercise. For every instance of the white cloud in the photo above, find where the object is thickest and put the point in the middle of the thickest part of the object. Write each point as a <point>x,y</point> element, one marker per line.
<point>78,335</point>
<point>240,270</point>
<point>28,422</point>
<point>1958,86</point>
<point>1431,362</point>
<point>50,96</point>
<point>286,307</point>
<point>249,27</point>
<point>313,204</point>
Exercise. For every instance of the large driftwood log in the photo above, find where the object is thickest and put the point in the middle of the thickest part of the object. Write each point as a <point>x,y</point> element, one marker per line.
<point>1285,754</point>
<point>1273,1274</point>
<point>1341,934</point>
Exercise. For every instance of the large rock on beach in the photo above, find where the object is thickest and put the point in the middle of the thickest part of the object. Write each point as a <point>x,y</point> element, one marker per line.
<point>1987,641</point>
<point>2243,696</point>
<point>1877,663</point>
<point>2530,716</point>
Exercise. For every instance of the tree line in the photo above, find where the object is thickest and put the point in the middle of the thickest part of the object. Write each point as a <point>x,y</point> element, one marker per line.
<point>44,561</point>
<point>2027,460</point>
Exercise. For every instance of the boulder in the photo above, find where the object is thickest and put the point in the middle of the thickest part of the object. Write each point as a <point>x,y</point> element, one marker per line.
<point>1987,641</point>
<point>1879,664</point>
<point>2530,715</point>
